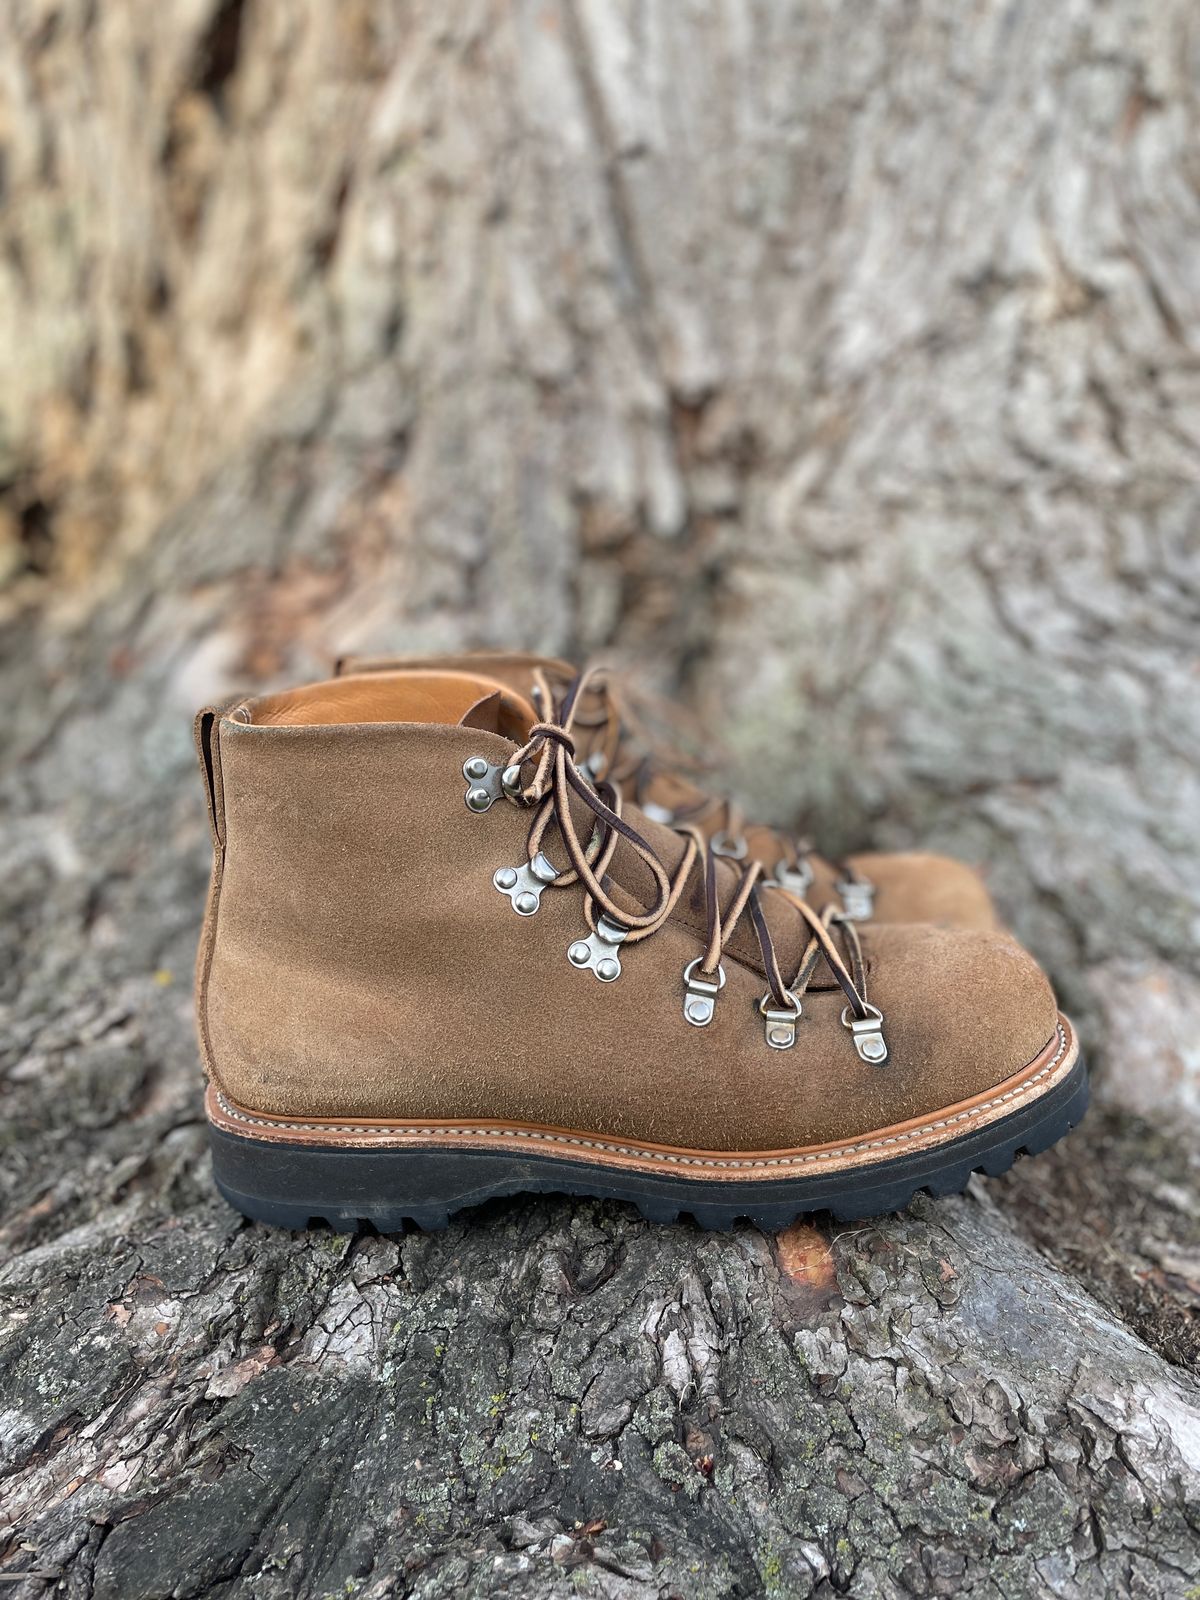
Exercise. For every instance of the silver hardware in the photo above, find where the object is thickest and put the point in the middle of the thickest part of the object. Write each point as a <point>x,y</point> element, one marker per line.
<point>585,771</point>
<point>599,950</point>
<point>780,1023</point>
<point>796,880</point>
<point>523,885</point>
<point>700,995</point>
<point>858,898</point>
<point>483,783</point>
<point>868,1034</point>
<point>724,845</point>
<point>657,813</point>
<point>510,782</point>
<point>593,766</point>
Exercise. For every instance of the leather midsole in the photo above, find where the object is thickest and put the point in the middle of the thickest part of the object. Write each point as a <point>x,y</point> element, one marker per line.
<point>1040,1077</point>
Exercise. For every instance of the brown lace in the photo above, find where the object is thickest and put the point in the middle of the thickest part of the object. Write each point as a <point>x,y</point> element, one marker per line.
<point>617,750</point>
<point>556,779</point>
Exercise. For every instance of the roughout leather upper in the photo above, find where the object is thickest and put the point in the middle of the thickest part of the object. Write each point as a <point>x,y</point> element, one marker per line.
<point>910,886</point>
<point>357,961</point>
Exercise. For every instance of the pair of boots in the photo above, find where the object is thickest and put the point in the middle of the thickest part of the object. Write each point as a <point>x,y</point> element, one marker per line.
<point>466,937</point>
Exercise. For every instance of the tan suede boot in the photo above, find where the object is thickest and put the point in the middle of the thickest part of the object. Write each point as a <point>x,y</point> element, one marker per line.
<point>898,886</point>
<point>439,964</point>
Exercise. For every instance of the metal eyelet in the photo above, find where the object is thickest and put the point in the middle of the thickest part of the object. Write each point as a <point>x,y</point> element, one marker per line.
<point>700,995</point>
<point>796,880</point>
<point>483,783</point>
<point>780,1024</point>
<point>657,813</point>
<point>722,844</point>
<point>524,884</point>
<point>868,1034</point>
<point>858,898</point>
<point>598,952</point>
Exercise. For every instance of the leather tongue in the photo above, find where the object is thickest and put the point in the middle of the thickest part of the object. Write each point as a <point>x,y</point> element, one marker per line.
<point>485,713</point>
<point>500,711</point>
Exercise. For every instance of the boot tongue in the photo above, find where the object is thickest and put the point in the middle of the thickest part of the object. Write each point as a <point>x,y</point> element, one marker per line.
<point>498,711</point>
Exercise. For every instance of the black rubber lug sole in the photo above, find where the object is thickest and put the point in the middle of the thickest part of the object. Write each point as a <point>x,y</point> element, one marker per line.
<point>293,1186</point>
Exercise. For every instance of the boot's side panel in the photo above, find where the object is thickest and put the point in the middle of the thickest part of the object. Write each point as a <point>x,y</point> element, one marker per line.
<point>365,965</point>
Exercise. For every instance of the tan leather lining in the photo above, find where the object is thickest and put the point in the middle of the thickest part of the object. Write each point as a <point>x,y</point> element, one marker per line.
<point>1040,1076</point>
<point>443,698</point>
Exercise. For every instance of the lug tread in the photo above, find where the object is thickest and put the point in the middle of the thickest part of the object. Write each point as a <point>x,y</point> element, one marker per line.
<point>868,1192</point>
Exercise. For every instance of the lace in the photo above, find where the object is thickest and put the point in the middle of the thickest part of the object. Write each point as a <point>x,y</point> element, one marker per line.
<point>618,749</point>
<point>556,780</point>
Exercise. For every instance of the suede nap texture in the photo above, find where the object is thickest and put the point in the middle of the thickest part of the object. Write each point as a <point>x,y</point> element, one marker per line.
<point>910,886</point>
<point>357,961</point>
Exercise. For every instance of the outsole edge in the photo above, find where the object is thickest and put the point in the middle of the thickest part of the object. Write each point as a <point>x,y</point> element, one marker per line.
<point>293,1186</point>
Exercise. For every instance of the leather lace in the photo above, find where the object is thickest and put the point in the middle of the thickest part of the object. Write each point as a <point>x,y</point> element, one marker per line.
<point>556,781</point>
<point>617,750</point>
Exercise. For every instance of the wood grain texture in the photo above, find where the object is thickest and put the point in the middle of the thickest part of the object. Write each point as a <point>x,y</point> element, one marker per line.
<point>836,364</point>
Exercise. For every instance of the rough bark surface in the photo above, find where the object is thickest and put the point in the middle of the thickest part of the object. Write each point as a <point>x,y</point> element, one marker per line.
<point>838,363</point>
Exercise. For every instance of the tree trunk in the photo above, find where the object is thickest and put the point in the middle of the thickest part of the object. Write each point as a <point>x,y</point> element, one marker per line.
<point>837,364</point>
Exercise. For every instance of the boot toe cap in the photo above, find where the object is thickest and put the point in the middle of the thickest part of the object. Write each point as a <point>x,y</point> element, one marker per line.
<point>964,1011</point>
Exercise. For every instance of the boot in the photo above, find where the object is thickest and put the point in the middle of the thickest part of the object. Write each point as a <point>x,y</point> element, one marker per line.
<point>442,962</point>
<point>614,742</point>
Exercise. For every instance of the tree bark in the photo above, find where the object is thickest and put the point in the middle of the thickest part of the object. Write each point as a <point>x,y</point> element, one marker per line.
<point>837,366</point>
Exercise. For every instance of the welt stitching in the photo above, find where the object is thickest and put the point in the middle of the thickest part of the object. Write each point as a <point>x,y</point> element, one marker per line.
<point>658,1155</point>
